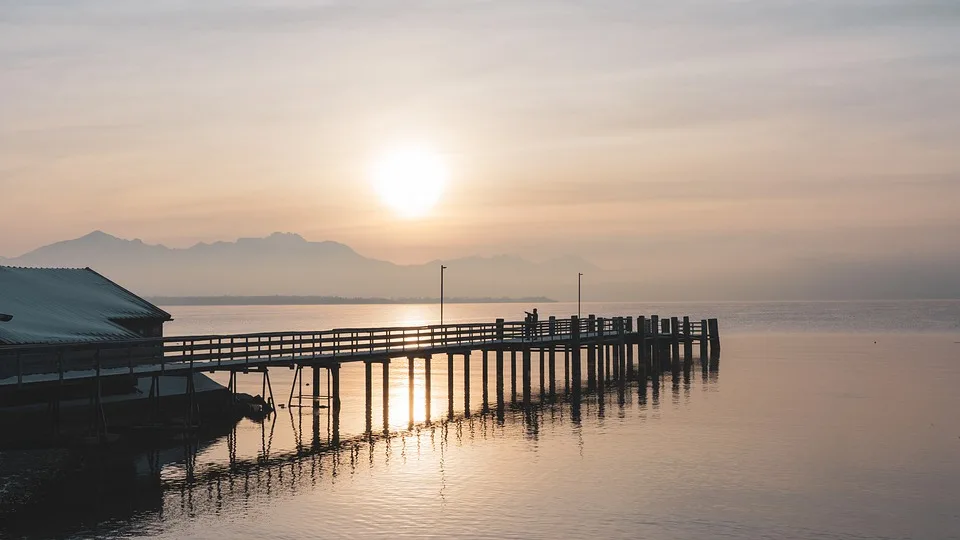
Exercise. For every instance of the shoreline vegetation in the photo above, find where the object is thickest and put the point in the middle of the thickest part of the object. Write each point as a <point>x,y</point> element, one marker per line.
<point>330,300</point>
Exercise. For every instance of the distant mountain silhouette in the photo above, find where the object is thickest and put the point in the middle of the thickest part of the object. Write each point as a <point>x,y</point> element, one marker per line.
<point>287,264</point>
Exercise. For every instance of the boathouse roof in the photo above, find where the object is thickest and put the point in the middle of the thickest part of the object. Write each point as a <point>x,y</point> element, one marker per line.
<point>59,305</point>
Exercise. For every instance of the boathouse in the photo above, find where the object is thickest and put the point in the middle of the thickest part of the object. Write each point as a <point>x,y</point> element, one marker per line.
<point>49,306</point>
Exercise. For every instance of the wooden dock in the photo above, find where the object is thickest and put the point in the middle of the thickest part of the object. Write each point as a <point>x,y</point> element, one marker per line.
<point>616,350</point>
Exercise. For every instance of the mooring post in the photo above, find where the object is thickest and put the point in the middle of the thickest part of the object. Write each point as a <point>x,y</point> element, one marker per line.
<point>466,384</point>
<point>575,358</point>
<point>410,402</point>
<point>629,339</point>
<point>526,376</point>
<point>687,340</point>
<point>334,376</point>
<point>427,393</point>
<point>386,395</point>
<point>486,395</point>
<point>513,375</point>
<point>368,370</point>
<point>450,386</point>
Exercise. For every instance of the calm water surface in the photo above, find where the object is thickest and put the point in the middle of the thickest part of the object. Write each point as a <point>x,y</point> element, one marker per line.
<point>824,420</point>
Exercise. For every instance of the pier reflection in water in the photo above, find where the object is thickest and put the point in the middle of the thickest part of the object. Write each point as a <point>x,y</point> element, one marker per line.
<point>295,449</point>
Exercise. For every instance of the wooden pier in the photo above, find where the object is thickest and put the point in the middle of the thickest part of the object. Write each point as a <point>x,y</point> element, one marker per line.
<point>614,351</point>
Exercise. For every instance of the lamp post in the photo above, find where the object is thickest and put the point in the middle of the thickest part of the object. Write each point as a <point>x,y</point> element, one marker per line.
<point>442,268</point>
<point>579,276</point>
<point>5,318</point>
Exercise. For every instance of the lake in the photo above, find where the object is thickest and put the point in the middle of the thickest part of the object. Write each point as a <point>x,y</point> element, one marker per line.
<point>824,420</point>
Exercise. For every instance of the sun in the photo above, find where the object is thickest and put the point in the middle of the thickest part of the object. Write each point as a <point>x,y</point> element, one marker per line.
<point>410,179</point>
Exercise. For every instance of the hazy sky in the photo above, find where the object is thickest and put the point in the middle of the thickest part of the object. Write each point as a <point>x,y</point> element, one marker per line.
<point>761,133</point>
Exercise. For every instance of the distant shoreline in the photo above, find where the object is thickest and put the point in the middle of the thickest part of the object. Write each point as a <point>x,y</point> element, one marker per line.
<point>329,300</point>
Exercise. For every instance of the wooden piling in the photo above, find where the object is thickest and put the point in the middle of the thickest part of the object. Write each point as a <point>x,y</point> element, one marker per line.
<point>566,369</point>
<point>335,391</point>
<point>513,375</point>
<point>714,334</point>
<point>386,395</point>
<point>316,387</point>
<point>499,366</point>
<point>427,393</point>
<point>704,344</point>
<point>629,345</point>
<point>643,358</point>
<point>368,371</point>
<point>466,384</point>
<point>655,344</point>
<point>687,340</point>
<point>552,369</point>
<point>595,326</point>
<point>410,386</point>
<point>543,376</point>
<point>486,396</point>
<point>450,386</point>
<point>575,358</point>
<point>526,376</point>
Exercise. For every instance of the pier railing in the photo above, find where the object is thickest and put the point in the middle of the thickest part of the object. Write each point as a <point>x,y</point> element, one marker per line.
<point>20,364</point>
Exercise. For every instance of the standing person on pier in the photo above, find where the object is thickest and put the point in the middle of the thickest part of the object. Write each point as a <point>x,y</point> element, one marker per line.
<point>531,320</point>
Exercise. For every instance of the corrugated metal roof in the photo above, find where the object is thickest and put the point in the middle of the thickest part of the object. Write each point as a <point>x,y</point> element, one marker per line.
<point>55,305</point>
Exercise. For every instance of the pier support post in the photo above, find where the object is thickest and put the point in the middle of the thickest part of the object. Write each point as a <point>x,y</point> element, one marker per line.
<point>601,362</point>
<point>714,333</point>
<point>427,392</point>
<point>334,375</point>
<point>368,370</point>
<point>450,386</point>
<point>543,376</point>
<point>593,366</point>
<point>595,326</point>
<point>513,375</point>
<point>466,384</point>
<point>687,341</point>
<point>675,337</point>
<point>552,370</point>
<point>485,380</point>
<point>642,356</point>
<point>410,385</point>
<point>629,343</point>
<point>704,355</point>
<point>499,362</point>
<point>316,387</point>
<point>566,369</point>
<point>386,395</point>
<point>655,344</point>
<point>526,376</point>
<point>575,359</point>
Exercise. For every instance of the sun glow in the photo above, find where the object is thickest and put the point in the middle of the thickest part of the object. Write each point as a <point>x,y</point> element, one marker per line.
<point>410,180</point>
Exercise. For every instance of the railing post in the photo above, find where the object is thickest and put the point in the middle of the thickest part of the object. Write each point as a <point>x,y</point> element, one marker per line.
<point>552,326</point>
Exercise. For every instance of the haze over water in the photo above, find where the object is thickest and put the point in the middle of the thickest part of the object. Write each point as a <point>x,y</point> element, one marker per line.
<point>825,420</point>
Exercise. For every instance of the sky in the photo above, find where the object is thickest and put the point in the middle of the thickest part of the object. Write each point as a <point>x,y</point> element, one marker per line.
<point>774,134</point>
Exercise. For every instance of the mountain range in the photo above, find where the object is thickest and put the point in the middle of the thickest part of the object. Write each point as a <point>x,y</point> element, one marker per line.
<point>285,264</point>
